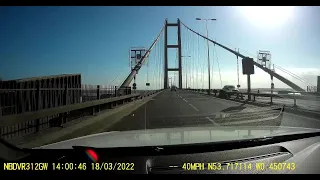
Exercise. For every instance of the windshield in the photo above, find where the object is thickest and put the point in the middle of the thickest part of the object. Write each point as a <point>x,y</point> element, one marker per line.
<point>130,73</point>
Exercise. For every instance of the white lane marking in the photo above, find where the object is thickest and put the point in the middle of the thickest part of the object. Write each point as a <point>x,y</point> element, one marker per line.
<point>194,107</point>
<point>211,120</point>
<point>185,100</point>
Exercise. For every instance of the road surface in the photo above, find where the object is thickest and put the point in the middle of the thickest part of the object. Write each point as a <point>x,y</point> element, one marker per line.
<point>186,108</point>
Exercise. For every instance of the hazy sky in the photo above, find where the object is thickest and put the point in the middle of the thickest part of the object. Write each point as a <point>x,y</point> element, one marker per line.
<point>95,41</point>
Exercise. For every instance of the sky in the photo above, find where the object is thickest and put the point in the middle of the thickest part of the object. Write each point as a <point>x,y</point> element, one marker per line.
<point>95,41</point>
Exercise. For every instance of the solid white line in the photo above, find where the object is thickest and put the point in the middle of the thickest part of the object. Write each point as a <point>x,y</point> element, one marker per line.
<point>194,107</point>
<point>211,120</point>
<point>185,100</point>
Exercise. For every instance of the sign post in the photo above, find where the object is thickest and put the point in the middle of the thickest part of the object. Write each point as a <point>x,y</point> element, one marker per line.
<point>248,69</point>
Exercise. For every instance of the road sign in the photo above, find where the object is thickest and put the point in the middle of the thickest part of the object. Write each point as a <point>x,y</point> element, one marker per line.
<point>247,66</point>
<point>134,84</point>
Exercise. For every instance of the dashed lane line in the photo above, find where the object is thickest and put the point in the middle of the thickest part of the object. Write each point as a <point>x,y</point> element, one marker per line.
<point>194,107</point>
<point>189,103</point>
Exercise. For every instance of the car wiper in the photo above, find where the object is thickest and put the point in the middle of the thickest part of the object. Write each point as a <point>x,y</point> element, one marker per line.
<point>200,147</point>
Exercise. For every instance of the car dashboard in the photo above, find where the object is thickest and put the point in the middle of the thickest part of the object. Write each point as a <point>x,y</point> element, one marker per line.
<point>258,156</point>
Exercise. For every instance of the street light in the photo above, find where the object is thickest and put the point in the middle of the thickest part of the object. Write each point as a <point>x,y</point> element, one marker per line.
<point>186,74</point>
<point>206,20</point>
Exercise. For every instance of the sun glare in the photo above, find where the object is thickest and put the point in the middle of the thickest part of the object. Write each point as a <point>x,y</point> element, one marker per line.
<point>267,16</point>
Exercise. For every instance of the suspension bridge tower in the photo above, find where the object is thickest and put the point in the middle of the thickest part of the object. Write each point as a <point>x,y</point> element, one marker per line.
<point>264,58</point>
<point>166,47</point>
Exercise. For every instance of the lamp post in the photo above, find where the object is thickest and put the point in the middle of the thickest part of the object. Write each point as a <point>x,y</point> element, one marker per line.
<point>206,20</point>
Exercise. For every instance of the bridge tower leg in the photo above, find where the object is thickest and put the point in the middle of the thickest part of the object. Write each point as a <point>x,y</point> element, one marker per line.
<point>179,55</point>
<point>178,47</point>
<point>165,81</point>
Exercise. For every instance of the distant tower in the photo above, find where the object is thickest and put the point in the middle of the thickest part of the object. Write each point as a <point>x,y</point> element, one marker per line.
<point>264,58</point>
<point>135,55</point>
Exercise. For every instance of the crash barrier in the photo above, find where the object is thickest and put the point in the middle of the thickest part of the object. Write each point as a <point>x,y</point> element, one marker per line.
<point>294,95</point>
<point>34,121</point>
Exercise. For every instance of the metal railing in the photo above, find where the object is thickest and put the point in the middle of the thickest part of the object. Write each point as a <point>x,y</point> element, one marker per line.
<point>254,95</point>
<point>89,101</point>
<point>15,101</point>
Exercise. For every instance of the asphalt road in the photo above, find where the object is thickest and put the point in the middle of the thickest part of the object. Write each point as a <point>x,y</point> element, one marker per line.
<point>185,108</point>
